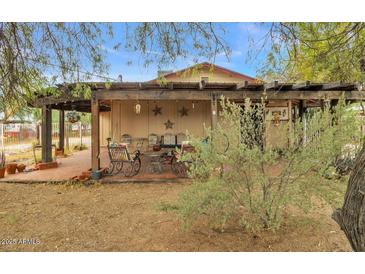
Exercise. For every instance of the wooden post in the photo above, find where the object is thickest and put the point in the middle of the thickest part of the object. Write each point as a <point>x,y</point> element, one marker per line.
<point>95,142</point>
<point>290,122</point>
<point>323,104</point>
<point>61,141</point>
<point>2,137</point>
<point>302,111</point>
<point>80,134</point>
<point>46,134</point>
<point>67,136</point>
<point>214,111</point>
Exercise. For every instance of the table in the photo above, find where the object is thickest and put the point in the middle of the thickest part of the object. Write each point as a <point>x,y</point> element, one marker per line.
<point>154,161</point>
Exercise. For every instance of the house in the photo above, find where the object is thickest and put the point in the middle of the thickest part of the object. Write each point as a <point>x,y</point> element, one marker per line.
<point>185,101</point>
<point>186,114</point>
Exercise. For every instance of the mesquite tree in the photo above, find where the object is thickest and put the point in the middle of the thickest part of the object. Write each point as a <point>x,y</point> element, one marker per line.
<point>239,179</point>
<point>35,55</point>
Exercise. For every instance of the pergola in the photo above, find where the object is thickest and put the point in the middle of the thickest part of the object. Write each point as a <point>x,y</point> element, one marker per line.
<point>303,95</point>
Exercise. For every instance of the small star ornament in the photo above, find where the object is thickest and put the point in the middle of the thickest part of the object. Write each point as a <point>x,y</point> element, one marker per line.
<point>183,111</point>
<point>169,124</point>
<point>157,110</point>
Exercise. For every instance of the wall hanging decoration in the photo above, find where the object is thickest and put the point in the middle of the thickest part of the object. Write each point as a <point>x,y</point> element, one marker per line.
<point>169,124</point>
<point>157,110</point>
<point>73,116</point>
<point>183,111</point>
<point>137,108</point>
<point>277,114</point>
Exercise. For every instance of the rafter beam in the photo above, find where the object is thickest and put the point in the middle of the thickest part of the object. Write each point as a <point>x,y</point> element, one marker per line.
<point>304,85</point>
<point>271,86</point>
<point>241,85</point>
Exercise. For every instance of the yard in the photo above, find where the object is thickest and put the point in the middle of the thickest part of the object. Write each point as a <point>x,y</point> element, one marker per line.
<point>129,217</point>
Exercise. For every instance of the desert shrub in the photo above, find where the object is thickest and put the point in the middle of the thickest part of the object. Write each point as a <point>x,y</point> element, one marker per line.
<point>238,177</point>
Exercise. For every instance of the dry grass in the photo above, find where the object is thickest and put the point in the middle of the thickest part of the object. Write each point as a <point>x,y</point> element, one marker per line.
<point>131,217</point>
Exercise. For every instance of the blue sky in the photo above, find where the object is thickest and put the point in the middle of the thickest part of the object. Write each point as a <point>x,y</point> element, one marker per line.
<point>238,38</point>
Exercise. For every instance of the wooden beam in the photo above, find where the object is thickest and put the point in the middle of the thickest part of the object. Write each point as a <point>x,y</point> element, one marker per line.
<point>271,86</point>
<point>61,142</point>
<point>339,86</point>
<point>95,136</point>
<point>304,85</point>
<point>46,134</point>
<point>214,111</point>
<point>332,86</point>
<point>241,85</point>
<point>290,123</point>
<point>195,94</point>
<point>155,94</point>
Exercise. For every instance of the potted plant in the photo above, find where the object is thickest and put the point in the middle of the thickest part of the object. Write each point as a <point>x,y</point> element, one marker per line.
<point>11,168</point>
<point>2,164</point>
<point>20,167</point>
<point>73,116</point>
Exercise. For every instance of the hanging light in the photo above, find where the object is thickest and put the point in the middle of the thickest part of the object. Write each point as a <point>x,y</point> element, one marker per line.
<point>137,108</point>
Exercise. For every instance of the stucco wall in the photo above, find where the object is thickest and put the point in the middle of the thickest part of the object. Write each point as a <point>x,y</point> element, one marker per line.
<point>214,76</point>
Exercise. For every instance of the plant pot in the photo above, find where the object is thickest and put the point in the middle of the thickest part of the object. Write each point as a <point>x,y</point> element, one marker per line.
<point>20,167</point>
<point>2,172</point>
<point>156,148</point>
<point>59,152</point>
<point>11,168</point>
<point>97,175</point>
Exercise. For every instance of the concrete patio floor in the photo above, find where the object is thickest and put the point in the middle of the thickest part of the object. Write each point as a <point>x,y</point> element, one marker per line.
<point>80,161</point>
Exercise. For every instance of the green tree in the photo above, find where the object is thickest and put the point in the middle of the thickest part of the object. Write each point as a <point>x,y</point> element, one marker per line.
<point>325,52</point>
<point>251,183</point>
<point>319,52</point>
<point>34,56</point>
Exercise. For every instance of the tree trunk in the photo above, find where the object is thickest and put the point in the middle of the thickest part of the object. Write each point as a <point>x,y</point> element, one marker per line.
<point>351,217</point>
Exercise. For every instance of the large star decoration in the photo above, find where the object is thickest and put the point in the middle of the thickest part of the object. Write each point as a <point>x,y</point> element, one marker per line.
<point>183,111</point>
<point>169,124</point>
<point>157,110</point>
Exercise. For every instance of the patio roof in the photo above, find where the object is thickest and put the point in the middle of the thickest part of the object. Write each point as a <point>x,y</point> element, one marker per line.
<point>198,91</point>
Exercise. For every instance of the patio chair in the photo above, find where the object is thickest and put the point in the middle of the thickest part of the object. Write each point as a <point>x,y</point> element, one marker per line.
<point>153,140</point>
<point>178,166</point>
<point>126,139</point>
<point>169,139</point>
<point>139,143</point>
<point>180,138</point>
<point>122,161</point>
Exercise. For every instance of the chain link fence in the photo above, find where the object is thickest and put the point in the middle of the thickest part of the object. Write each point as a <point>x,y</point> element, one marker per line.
<point>17,140</point>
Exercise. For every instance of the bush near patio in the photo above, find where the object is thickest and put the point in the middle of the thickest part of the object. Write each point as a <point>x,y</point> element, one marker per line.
<point>251,184</point>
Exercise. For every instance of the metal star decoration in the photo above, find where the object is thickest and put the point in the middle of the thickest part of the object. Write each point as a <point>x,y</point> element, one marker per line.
<point>157,110</point>
<point>169,124</point>
<point>183,111</point>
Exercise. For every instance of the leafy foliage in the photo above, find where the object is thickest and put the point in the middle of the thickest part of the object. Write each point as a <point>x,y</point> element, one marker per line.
<point>315,51</point>
<point>35,56</point>
<point>250,182</point>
